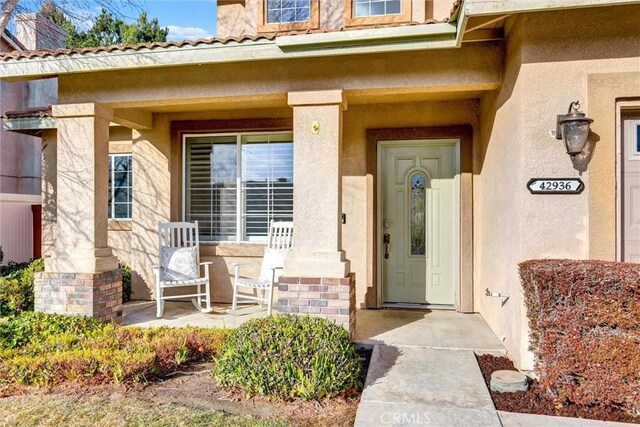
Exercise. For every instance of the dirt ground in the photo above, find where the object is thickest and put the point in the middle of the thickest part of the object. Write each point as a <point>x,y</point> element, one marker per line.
<point>534,401</point>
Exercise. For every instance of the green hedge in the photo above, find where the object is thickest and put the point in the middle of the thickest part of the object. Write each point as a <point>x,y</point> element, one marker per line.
<point>289,356</point>
<point>16,287</point>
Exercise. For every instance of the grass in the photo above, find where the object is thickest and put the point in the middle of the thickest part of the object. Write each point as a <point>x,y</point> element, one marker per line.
<point>115,410</point>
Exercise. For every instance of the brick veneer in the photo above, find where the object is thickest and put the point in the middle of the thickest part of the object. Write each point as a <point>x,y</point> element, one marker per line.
<point>332,298</point>
<point>98,295</point>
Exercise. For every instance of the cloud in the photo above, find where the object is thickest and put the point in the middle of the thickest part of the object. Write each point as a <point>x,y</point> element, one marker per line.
<point>177,33</point>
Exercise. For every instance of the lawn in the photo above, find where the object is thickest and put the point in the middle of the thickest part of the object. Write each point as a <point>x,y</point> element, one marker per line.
<point>114,410</point>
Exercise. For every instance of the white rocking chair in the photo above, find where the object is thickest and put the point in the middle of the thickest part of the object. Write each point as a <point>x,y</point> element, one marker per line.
<point>276,251</point>
<point>179,252</point>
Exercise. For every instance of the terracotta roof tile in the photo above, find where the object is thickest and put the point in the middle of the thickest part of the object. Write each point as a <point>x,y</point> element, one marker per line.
<point>28,113</point>
<point>43,53</point>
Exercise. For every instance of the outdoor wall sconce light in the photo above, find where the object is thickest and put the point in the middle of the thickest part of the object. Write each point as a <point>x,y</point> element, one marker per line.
<point>573,128</point>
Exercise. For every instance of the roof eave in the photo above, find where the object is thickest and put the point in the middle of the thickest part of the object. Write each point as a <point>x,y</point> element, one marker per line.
<point>379,40</point>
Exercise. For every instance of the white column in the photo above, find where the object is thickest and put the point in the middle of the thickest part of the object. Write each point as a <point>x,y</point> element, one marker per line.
<point>317,207</point>
<point>82,179</point>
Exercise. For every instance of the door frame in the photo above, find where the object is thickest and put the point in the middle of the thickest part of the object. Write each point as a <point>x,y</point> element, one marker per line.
<point>419,142</point>
<point>465,133</point>
<point>625,110</point>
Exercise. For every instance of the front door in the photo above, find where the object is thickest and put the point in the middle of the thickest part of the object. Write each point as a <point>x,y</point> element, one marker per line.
<point>419,222</point>
<point>631,190</point>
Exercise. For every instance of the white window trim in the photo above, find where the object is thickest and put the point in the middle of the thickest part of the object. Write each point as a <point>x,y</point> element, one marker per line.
<point>113,199</point>
<point>240,201</point>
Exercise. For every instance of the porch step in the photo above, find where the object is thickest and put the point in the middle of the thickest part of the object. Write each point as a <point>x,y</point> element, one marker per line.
<point>410,386</point>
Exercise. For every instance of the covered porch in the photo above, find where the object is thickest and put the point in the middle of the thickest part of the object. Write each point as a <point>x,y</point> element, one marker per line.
<point>335,265</point>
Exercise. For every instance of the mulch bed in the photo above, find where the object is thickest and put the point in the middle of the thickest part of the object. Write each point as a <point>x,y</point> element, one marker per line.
<point>535,401</point>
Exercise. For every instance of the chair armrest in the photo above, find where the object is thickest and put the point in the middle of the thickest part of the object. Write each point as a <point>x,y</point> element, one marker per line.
<point>277,268</point>
<point>206,263</point>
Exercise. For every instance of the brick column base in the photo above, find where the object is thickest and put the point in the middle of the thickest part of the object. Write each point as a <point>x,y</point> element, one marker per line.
<point>333,299</point>
<point>98,295</point>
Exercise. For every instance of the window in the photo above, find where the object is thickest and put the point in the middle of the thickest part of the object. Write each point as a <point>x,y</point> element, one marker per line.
<point>371,12</point>
<point>237,184</point>
<point>287,15</point>
<point>120,186</point>
<point>376,7</point>
<point>281,11</point>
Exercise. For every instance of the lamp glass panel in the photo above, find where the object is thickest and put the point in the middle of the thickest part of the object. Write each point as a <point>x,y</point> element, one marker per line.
<point>575,134</point>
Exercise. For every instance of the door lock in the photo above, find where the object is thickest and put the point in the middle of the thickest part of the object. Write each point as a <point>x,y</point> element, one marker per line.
<point>387,240</point>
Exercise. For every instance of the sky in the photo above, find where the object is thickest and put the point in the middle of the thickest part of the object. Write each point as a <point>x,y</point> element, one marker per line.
<point>186,19</point>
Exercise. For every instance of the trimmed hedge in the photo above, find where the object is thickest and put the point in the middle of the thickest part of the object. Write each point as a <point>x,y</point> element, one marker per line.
<point>584,318</point>
<point>289,356</point>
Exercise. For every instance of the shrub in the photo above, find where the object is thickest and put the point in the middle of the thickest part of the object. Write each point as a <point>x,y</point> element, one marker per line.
<point>585,330</point>
<point>126,282</point>
<point>289,356</point>
<point>16,287</point>
<point>48,349</point>
<point>35,327</point>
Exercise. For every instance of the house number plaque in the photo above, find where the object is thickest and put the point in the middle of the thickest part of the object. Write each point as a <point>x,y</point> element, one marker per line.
<point>555,185</point>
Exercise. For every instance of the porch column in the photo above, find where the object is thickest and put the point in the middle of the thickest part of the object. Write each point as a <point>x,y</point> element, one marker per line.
<point>82,275</point>
<point>316,276</point>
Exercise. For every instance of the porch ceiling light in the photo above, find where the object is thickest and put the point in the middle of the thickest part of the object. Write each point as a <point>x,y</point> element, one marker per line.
<point>573,128</point>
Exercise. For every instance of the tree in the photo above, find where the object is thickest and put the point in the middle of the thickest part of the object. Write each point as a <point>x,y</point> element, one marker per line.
<point>106,29</point>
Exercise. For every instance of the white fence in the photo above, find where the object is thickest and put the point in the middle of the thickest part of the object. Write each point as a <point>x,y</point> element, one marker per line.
<point>16,226</point>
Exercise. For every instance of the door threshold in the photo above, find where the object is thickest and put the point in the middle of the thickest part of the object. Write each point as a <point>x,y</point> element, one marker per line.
<point>418,306</point>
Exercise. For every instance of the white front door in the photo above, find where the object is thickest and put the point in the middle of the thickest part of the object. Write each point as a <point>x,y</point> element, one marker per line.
<point>631,190</point>
<point>419,229</point>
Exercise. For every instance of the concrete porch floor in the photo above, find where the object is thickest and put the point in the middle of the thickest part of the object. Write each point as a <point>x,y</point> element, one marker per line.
<point>438,329</point>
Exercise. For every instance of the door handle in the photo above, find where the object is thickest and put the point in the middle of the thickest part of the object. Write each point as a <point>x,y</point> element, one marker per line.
<point>387,240</point>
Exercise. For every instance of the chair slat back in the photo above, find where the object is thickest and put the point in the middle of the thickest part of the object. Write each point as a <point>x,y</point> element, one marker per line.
<point>178,235</point>
<point>280,235</point>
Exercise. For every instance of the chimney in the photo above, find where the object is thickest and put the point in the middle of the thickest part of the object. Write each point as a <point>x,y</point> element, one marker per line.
<point>35,31</point>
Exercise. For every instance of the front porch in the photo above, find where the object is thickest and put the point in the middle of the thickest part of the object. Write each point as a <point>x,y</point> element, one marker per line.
<point>437,329</point>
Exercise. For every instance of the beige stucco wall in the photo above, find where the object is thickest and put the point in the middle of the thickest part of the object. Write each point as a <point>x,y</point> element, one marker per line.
<point>550,59</point>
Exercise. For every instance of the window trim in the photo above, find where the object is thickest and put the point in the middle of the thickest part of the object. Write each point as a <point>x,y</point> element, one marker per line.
<point>312,24</point>
<point>350,21</point>
<point>240,204</point>
<point>113,208</point>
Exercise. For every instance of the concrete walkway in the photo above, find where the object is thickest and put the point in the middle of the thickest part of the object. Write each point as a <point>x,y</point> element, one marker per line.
<point>411,386</point>
<point>423,370</point>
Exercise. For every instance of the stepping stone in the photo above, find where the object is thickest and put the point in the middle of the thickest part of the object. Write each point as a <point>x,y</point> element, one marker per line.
<point>509,381</point>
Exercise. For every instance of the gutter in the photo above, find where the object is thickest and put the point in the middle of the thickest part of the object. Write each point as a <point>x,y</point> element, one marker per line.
<point>375,40</point>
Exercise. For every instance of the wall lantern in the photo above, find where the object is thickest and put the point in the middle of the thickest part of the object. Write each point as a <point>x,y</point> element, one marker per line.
<point>573,128</point>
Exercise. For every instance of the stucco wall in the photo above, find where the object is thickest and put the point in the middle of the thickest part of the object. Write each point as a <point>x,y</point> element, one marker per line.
<point>550,57</point>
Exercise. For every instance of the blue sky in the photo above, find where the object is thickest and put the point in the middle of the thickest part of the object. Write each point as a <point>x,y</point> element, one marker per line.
<point>186,19</point>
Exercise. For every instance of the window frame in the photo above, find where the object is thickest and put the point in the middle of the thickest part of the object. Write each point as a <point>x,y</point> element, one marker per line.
<point>113,208</point>
<point>404,15</point>
<point>312,24</point>
<point>240,203</point>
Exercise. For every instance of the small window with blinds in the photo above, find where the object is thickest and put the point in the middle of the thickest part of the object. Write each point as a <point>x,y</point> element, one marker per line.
<point>235,185</point>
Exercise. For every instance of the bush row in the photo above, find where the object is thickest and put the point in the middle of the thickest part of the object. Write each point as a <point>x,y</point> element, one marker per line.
<point>48,349</point>
<point>584,319</point>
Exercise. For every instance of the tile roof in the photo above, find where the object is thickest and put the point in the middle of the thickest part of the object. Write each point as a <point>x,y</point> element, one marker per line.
<point>43,53</point>
<point>36,112</point>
